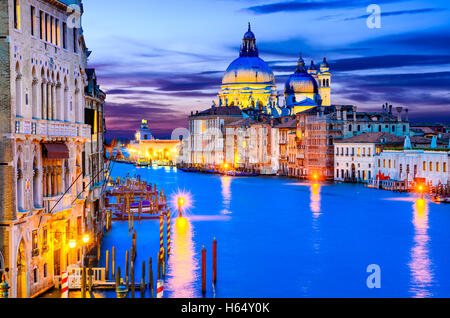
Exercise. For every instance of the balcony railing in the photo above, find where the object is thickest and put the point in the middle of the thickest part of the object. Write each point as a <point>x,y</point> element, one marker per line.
<point>51,128</point>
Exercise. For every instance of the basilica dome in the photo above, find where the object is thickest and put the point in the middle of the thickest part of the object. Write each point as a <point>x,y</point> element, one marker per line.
<point>248,68</point>
<point>301,82</point>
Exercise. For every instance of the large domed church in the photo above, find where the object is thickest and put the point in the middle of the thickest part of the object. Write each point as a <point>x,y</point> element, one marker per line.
<point>250,83</point>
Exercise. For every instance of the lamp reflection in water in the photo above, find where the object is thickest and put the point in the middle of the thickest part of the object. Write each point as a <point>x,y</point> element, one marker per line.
<point>226,194</point>
<point>183,264</point>
<point>420,265</point>
<point>315,200</point>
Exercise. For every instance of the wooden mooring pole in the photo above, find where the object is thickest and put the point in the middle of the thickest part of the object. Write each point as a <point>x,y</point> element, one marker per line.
<point>203,270</point>
<point>107,266</point>
<point>127,268</point>
<point>150,277</point>
<point>143,280</point>
<point>132,280</point>
<point>113,262</point>
<point>214,261</point>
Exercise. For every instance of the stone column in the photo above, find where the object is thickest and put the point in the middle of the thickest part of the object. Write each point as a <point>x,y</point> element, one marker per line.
<point>44,99</point>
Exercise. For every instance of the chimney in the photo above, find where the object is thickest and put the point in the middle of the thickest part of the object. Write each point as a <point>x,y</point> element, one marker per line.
<point>390,109</point>
<point>406,111</point>
<point>338,112</point>
<point>399,111</point>
<point>354,113</point>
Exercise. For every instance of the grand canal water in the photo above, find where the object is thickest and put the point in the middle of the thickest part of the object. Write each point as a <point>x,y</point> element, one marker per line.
<point>283,238</point>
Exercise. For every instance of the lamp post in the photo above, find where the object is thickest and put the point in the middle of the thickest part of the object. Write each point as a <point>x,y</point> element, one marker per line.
<point>181,202</point>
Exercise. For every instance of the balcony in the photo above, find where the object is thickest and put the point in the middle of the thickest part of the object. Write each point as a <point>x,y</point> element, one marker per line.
<point>51,128</point>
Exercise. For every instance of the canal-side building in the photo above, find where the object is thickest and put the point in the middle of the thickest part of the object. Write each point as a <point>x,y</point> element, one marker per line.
<point>286,144</point>
<point>42,140</point>
<point>206,134</point>
<point>252,143</point>
<point>413,161</point>
<point>319,128</point>
<point>355,158</point>
<point>409,164</point>
<point>145,149</point>
<point>94,157</point>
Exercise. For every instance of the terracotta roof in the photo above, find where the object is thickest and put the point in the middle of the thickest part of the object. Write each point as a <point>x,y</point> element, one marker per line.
<point>375,137</point>
<point>292,123</point>
<point>220,111</point>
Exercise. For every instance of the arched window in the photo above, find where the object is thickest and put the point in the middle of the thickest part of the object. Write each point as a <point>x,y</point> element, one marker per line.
<point>36,184</point>
<point>349,127</point>
<point>19,188</point>
<point>66,101</point>
<point>19,93</point>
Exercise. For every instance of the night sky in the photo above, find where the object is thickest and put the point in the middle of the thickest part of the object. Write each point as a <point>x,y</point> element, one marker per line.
<point>160,60</point>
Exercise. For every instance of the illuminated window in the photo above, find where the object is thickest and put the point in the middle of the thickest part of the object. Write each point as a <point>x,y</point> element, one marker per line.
<point>437,166</point>
<point>44,237</point>
<point>431,166</point>
<point>424,166</point>
<point>384,163</point>
<point>359,152</point>
<point>444,167</point>
<point>17,14</point>
<point>390,164</point>
<point>370,152</point>
<point>34,243</point>
<point>47,28</point>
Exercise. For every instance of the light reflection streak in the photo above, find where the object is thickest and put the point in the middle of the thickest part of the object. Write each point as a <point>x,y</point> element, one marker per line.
<point>315,200</point>
<point>420,265</point>
<point>226,194</point>
<point>182,264</point>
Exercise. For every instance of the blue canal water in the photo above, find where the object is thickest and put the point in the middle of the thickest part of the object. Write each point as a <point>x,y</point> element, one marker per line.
<point>279,237</point>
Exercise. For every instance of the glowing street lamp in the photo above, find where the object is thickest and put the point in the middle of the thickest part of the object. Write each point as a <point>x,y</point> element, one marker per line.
<point>86,238</point>
<point>421,190</point>
<point>72,244</point>
<point>181,202</point>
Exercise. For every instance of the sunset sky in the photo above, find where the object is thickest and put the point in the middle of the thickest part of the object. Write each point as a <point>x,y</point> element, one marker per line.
<point>160,60</point>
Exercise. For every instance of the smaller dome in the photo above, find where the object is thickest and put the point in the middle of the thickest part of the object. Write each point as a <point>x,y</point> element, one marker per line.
<point>312,67</point>
<point>324,64</point>
<point>301,82</point>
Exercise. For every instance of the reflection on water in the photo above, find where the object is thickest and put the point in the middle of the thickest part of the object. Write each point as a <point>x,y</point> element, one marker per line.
<point>226,194</point>
<point>315,207</point>
<point>182,265</point>
<point>315,200</point>
<point>420,265</point>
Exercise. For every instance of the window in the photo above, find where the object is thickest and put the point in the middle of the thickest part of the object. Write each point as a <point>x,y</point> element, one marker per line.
<point>33,21</point>
<point>359,152</point>
<point>58,33</point>
<point>17,14</point>
<point>431,166</point>
<point>34,242</point>
<point>47,27</point>
<point>390,164</point>
<point>379,128</point>
<point>359,127</point>
<point>44,238</point>
<point>79,226</point>
<point>349,127</point>
<point>424,166</point>
<point>64,35</point>
<point>52,30</point>
<point>393,128</point>
<point>384,163</point>
<point>45,270</point>
<point>75,40</point>
<point>437,166</point>
<point>41,25</point>
<point>35,275</point>
<point>444,167</point>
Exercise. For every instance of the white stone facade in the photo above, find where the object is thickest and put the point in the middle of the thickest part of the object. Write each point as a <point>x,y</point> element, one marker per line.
<point>47,64</point>
<point>406,165</point>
